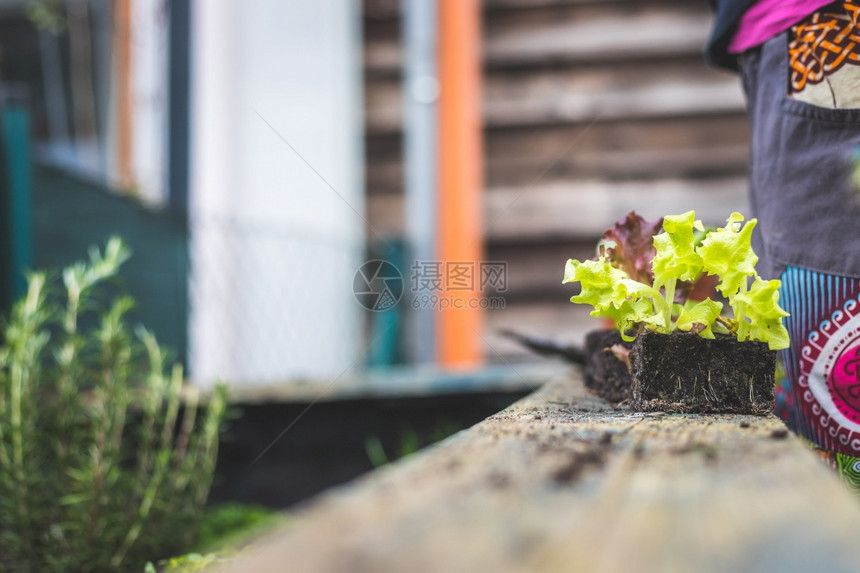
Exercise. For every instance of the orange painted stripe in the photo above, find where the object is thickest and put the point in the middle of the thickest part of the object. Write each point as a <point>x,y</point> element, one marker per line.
<point>460,206</point>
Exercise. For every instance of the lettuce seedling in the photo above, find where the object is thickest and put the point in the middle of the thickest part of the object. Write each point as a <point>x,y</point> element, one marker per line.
<point>629,246</point>
<point>679,257</point>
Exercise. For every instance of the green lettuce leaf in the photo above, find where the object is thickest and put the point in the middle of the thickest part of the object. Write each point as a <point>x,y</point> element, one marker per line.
<point>728,252</point>
<point>763,315</point>
<point>676,258</point>
<point>700,315</point>
<point>611,292</point>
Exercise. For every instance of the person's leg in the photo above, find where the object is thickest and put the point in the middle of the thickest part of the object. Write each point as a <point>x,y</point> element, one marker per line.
<point>805,128</point>
<point>821,366</point>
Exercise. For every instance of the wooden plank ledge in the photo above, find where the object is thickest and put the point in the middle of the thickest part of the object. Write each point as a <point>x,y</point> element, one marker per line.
<point>561,481</point>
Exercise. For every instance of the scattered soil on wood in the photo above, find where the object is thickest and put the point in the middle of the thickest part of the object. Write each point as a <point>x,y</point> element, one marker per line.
<point>684,372</point>
<point>604,372</point>
<point>779,434</point>
<point>706,450</point>
<point>573,469</point>
<point>499,480</point>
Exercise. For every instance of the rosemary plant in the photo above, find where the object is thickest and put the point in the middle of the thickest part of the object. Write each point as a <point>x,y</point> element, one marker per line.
<point>105,458</point>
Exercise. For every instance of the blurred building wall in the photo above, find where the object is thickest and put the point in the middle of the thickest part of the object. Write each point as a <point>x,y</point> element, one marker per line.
<point>72,214</point>
<point>60,192</point>
<point>276,205</point>
<point>149,64</point>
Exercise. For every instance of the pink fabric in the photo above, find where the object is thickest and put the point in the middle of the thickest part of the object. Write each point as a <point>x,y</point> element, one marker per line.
<point>767,18</point>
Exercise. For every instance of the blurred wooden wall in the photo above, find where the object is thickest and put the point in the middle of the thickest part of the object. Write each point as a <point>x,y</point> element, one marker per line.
<point>591,108</point>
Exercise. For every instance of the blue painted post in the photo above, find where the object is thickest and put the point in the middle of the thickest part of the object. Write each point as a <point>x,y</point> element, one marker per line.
<point>420,93</point>
<point>16,156</point>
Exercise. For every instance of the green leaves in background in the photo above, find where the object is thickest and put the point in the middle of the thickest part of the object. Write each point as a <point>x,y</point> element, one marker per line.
<point>105,457</point>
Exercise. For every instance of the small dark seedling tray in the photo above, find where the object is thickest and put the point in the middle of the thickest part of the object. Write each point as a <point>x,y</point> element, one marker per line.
<point>604,373</point>
<point>683,372</point>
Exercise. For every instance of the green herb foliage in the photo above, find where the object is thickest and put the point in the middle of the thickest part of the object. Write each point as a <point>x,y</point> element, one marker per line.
<point>225,531</point>
<point>226,524</point>
<point>410,442</point>
<point>100,468</point>
<point>681,256</point>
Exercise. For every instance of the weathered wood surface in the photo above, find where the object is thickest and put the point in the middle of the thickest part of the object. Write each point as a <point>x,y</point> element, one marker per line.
<point>578,209</point>
<point>680,147</point>
<point>578,96</point>
<point>571,33</point>
<point>562,482</point>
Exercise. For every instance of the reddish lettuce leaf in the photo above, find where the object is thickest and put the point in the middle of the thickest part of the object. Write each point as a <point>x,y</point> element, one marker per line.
<point>629,246</point>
